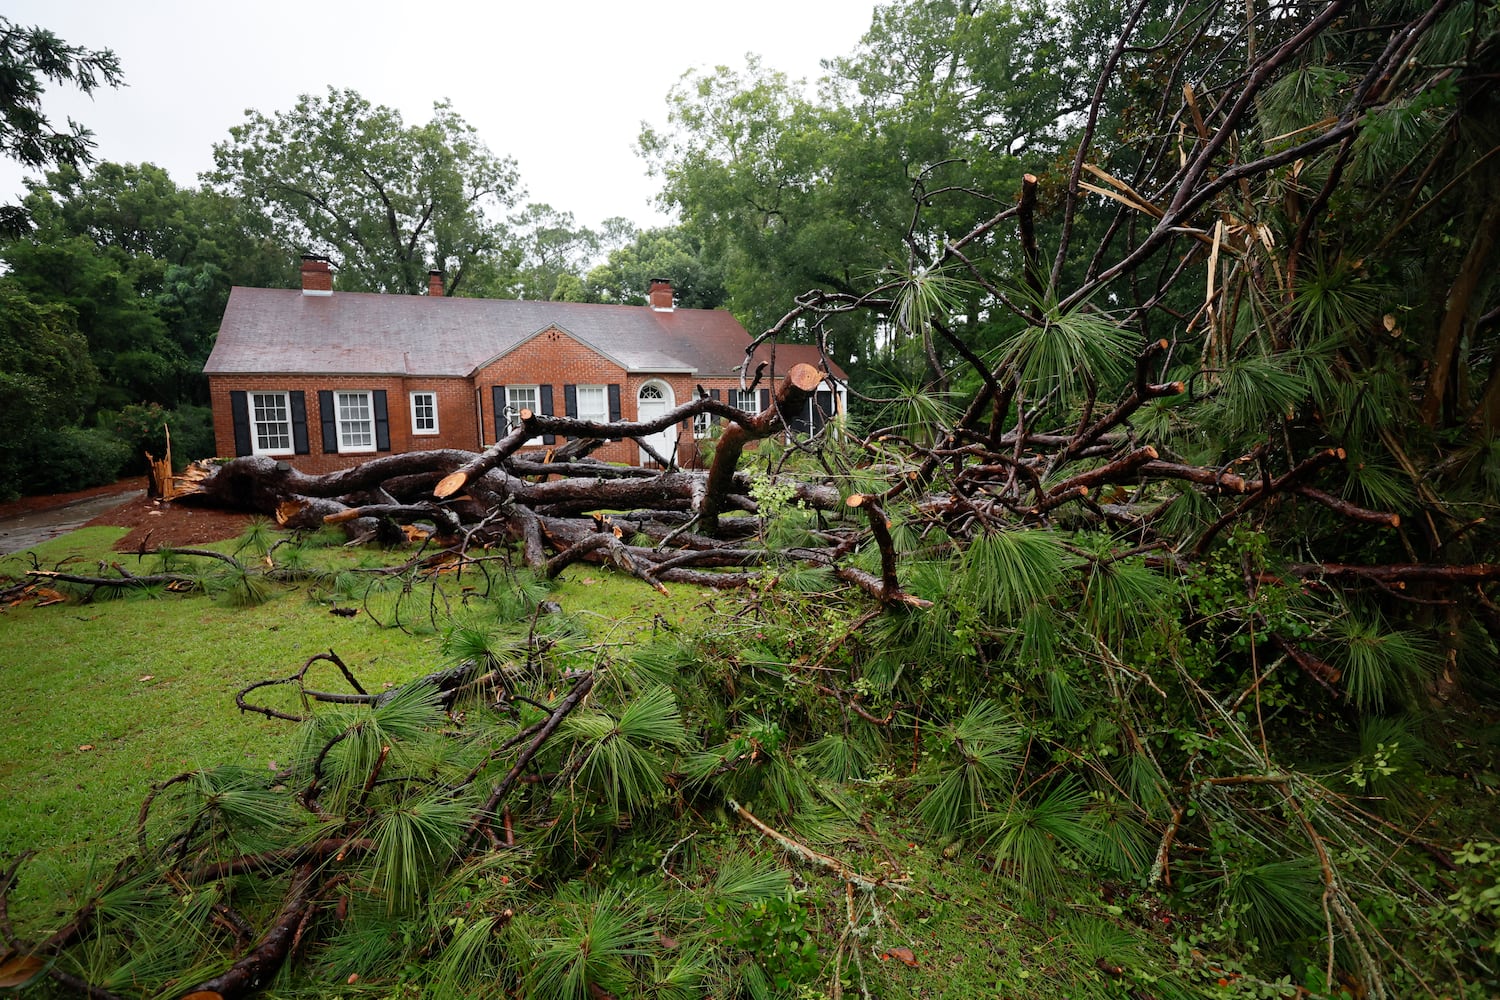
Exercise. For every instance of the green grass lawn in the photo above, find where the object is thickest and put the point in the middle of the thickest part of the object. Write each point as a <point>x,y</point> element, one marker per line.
<point>104,697</point>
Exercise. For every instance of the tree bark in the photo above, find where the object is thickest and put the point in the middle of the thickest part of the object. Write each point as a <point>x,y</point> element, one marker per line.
<point>792,394</point>
<point>256,969</point>
<point>1476,267</point>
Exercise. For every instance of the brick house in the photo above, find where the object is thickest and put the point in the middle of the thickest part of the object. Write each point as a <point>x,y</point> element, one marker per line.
<point>329,379</point>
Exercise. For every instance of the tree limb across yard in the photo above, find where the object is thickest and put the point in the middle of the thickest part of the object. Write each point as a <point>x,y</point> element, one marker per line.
<point>711,527</point>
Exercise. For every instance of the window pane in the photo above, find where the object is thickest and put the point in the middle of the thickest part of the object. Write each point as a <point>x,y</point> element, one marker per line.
<point>273,424</point>
<point>593,403</point>
<point>520,397</point>
<point>523,397</point>
<point>424,413</point>
<point>356,421</point>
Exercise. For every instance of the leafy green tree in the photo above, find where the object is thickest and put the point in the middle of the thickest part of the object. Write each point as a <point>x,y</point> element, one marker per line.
<point>127,340</point>
<point>46,379</point>
<point>552,245</point>
<point>385,200</point>
<point>976,77</point>
<point>745,159</point>
<point>138,270</point>
<point>146,266</point>
<point>30,57</point>
<point>793,192</point>
<point>669,252</point>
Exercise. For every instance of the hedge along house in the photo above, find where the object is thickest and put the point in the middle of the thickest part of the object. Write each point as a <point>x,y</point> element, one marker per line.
<point>326,379</point>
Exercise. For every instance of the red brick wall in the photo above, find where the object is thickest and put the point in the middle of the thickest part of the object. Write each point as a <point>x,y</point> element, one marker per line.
<point>556,359</point>
<point>465,418</point>
<point>455,405</point>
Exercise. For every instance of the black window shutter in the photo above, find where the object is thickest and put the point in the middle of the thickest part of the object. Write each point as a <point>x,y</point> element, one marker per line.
<point>822,409</point>
<point>330,425</point>
<point>545,392</point>
<point>765,399</point>
<point>714,395</point>
<point>299,421</point>
<point>799,422</point>
<point>614,403</point>
<point>497,393</point>
<point>570,401</point>
<point>382,421</point>
<point>239,409</point>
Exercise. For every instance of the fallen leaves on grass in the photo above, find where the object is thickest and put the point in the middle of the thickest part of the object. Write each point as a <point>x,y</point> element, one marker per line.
<point>42,595</point>
<point>18,970</point>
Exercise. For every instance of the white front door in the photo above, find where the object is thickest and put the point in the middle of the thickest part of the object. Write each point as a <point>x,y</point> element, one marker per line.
<point>654,399</point>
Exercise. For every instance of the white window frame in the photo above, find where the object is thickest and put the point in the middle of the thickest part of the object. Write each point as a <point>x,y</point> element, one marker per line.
<point>259,428</point>
<point>599,415</point>
<point>346,444</point>
<point>416,421</point>
<point>703,423</point>
<point>745,399</point>
<point>513,407</point>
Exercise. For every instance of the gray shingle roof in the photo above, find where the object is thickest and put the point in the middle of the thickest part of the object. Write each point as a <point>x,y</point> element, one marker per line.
<point>280,330</point>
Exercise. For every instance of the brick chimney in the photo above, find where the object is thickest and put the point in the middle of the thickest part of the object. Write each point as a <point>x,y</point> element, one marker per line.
<point>317,276</point>
<point>435,283</point>
<point>660,295</point>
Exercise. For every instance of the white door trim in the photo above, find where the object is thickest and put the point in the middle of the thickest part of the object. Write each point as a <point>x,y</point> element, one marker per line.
<point>648,407</point>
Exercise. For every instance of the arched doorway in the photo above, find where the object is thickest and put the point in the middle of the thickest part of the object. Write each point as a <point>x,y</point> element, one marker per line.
<point>654,399</point>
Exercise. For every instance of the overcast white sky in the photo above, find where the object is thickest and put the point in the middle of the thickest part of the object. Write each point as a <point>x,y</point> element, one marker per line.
<point>560,85</point>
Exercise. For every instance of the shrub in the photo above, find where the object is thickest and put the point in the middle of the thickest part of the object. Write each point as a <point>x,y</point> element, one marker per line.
<point>73,458</point>
<point>141,428</point>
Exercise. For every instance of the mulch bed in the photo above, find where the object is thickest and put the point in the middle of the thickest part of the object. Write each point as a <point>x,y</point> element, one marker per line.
<point>154,524</point>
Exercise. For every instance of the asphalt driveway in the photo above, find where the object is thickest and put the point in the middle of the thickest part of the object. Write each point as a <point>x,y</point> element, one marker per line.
<point>23,530</point>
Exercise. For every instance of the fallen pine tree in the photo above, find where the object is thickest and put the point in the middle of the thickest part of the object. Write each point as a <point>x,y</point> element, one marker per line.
<point>1183,596</point>
<point>668,525</point>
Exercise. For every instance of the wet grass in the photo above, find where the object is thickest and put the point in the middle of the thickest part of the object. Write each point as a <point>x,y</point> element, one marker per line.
<point>105,695</point>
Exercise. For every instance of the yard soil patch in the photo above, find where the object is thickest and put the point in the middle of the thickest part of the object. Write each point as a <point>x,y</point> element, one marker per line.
<point>154,524</point>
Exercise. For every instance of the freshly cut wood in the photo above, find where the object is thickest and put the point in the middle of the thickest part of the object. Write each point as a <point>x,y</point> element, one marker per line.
<point>880,528</point>
<point>159,480</point>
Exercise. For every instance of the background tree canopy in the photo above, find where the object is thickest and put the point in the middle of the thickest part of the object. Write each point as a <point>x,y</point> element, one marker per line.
<point>30,57</point>
<point>788,191</point>
<point>386,201</point>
